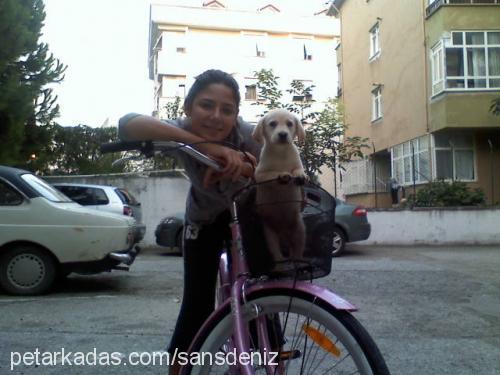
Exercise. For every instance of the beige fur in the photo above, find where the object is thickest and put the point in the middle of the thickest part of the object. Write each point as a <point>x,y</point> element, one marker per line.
<point>280,204</point>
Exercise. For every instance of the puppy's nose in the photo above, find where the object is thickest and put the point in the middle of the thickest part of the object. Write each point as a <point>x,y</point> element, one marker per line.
<point>283,136</point>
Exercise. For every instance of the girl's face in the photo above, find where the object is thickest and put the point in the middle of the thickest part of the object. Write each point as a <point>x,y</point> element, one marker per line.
<point>213,112</point>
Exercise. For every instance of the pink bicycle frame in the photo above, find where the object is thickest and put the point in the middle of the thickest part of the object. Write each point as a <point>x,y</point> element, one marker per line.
<point>232,291</point>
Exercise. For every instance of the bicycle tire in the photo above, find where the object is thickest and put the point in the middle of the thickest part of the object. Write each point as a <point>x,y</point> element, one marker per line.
<point>362,355</point>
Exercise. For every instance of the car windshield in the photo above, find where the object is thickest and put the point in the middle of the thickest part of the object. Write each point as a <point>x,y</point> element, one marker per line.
<point>44,189</point>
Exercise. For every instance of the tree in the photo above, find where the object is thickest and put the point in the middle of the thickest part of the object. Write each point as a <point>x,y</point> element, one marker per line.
<point>325,143</point>
<point>174,109</point>
<point>27,105</point>
<point>76,150</point>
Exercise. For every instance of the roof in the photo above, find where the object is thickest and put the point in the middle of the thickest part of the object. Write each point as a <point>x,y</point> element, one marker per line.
<point>335,6</point>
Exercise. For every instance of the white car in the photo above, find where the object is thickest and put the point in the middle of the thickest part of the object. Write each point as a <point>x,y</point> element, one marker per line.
<point>104,198</point>
<point>44,234</point>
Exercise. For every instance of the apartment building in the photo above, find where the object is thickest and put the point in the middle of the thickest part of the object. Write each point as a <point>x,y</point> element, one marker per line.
<point>418,78</point>
<point>186,40</point>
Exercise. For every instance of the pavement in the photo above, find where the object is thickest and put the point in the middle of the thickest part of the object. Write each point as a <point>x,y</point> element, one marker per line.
<point>431,310</point>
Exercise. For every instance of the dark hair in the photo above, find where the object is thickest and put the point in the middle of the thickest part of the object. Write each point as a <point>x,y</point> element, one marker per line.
<point>202,81</point>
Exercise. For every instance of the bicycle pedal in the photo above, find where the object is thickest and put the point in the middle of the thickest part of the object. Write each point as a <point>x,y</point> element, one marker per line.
<point>290,354</point>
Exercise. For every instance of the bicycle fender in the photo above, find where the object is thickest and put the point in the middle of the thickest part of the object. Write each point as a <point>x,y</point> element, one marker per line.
<point>314,290</point>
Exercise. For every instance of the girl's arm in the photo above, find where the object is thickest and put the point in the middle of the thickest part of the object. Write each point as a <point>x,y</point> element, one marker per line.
<point>142,128</point>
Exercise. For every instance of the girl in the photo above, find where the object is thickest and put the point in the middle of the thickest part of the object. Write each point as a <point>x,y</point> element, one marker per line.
<point>211,107</point>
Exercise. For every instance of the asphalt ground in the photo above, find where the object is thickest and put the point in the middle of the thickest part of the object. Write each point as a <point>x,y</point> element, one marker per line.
<point>431,310</point>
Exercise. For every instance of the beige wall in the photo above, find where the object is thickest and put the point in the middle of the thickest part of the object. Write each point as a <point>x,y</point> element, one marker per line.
<point>463,110</point>
<point>400,68</point>
<point>483,17</point>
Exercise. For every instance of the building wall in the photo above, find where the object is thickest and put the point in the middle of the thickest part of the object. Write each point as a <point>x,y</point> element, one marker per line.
<point>404,70</point>
<point>226,39</point>
<point>474,226</point>
<point>400,69</point>
<point>481,17</point>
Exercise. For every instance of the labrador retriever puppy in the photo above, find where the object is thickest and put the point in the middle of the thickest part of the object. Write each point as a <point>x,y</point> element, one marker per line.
<point>279,203</point>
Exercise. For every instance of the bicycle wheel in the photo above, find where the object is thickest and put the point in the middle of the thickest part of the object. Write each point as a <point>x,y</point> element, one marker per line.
<point>315,338</point>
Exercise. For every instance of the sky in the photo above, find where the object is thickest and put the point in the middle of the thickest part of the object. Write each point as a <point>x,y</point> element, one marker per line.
<point>104,43</point>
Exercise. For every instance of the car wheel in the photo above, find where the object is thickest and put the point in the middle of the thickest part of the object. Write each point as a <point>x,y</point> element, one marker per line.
<point>27,270</point>
<point>339,240</point>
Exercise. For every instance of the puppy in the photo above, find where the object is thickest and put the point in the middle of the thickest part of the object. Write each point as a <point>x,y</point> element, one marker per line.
<point>279,203</point>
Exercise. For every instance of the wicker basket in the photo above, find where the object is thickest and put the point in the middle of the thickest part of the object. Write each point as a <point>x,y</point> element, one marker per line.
<point>319,219</point>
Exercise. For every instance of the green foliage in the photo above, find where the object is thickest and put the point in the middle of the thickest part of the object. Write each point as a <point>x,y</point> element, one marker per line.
<point>76,150</point>
<point>174,109</point>
<point>325,143</point>
<point>27,105</point>
<point>495,107</point>
<point>445,194</point>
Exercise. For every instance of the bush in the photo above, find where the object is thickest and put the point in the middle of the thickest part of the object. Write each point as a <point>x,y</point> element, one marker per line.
<point>444,194</point>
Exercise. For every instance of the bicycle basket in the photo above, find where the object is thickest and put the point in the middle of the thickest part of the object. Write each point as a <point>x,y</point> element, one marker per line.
<point>319,219</point>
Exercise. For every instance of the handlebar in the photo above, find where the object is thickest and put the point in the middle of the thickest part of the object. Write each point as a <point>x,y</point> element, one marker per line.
<point>148,149</point>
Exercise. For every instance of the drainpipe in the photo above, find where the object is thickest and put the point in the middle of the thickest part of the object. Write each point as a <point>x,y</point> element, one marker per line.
<point>375,175</point>
<point>492,170</point>
<point>413,168</point>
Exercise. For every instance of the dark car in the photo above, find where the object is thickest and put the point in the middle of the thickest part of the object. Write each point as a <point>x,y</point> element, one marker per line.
<point>351,224</point>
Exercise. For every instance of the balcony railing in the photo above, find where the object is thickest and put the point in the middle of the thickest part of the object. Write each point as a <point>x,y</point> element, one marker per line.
<point>438,3</point>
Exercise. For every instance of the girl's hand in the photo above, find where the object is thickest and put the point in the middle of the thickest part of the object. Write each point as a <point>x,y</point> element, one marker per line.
<point>236,164</point>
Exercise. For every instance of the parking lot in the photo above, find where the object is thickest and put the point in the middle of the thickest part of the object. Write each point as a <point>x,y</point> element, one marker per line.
<point>432,310</point>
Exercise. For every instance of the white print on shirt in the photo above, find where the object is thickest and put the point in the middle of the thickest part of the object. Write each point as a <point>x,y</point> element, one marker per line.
<point>191,232</point>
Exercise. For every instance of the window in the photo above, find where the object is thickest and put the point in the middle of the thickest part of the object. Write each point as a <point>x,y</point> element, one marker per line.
<point>44,189</point>
<point>81,195</point>
<point>437,69</point>
<point>301,47</point>
<point>470,61</point>
<point>174,41</point>
<point>375,41</point>
<point>409,157</point>
<point>308,55</point>
<point>255,45</point>
<point>250,92</point>
<point>100,197</point>
<point>339,73</point>
<point>174,86</point>
<point>454,155</point>
<point>377,103</point>
<point>9,196</point>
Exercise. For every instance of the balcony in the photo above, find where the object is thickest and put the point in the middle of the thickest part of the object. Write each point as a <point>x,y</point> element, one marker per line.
<point>435,5</point>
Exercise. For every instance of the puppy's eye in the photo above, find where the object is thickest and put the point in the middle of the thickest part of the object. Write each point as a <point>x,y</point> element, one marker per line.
<point>289,123</point>
<point>273,124</point>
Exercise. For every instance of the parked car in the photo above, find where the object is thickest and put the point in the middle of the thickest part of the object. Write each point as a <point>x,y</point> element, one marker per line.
<point>104,198</point>
<point>351,224</point>
<point>44,234</point>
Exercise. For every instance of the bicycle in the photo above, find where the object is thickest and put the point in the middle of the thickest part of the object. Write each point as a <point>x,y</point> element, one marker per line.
<point>275,322</point>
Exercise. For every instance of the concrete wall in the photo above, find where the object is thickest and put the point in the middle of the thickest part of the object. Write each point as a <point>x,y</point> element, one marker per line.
<point>161,193</point>
<point>435,227</point>
<point>164,193</point>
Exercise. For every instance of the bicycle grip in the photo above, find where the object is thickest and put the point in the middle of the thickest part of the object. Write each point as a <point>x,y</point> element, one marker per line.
<point>122,146</point>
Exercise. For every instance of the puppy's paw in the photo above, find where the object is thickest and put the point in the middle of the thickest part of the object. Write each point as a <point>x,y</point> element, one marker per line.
<point>284,178</point>
<point>300,176</point>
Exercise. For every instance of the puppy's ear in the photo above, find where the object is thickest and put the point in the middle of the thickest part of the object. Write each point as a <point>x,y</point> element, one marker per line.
<point>299,130</point>
<point>258,132</point>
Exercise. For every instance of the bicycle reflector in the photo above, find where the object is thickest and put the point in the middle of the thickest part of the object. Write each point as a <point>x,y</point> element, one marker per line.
<point>321,339</point>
